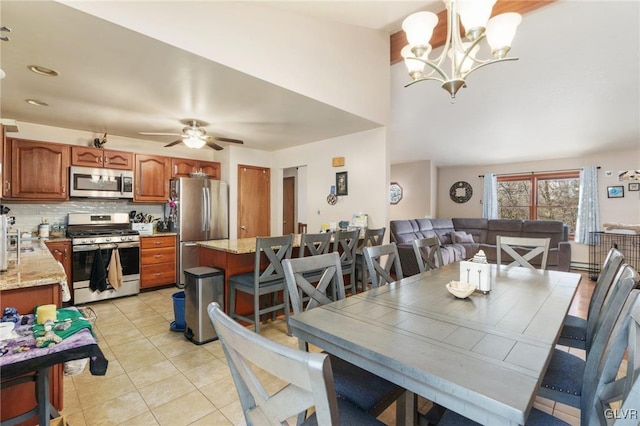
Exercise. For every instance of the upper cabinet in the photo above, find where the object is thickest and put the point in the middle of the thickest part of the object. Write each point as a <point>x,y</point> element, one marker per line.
<point>97,157</point>
<point>183,167</point>
<point>152,174</point>
<point>37,170</point>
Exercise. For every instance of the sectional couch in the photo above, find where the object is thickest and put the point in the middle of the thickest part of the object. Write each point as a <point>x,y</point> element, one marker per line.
<point>461,238</point>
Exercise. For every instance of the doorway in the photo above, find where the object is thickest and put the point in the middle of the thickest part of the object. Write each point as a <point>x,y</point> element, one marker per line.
<point>254,201</point>
<point>289,205</point>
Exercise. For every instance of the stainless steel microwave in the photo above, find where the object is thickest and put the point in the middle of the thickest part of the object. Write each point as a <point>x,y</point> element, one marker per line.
<point>89,182</point>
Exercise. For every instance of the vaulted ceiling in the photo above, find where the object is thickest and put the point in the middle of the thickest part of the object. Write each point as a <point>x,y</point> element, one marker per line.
<point>575,89</point>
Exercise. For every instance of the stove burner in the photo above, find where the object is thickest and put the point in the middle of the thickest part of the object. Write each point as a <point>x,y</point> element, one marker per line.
<point>100,232</point>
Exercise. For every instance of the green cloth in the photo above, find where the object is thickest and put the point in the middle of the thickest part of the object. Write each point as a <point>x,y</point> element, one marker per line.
<point>78,322</point>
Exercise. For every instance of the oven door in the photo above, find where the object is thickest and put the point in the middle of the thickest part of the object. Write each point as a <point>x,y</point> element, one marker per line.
<point>84,256</point>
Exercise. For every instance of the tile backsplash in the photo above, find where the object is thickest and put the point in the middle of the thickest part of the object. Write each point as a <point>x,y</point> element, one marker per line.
<point>30,215</point>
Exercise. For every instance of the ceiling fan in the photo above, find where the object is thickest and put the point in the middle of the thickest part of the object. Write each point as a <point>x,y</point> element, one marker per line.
<point>194,136</point>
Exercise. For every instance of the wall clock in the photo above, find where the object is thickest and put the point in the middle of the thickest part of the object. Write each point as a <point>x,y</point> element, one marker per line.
<point>460,192</point>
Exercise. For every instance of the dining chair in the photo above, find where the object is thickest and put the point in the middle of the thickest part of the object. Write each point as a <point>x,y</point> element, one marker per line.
<point>262,282</point>
<point>366,390</point>
<point>372,237</point>
<point>306,379</point>
<point>381,272</point>
<point>577,332</point>
<point>567,374</point>
<point>345,244</point>
<point>610,390</point>
<point>311,245</point>
<point>428,253</point>
<point>532,247</point>
<point>302,228</point>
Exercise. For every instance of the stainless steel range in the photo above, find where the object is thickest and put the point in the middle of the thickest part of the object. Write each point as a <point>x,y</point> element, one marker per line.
<point>99,234</point>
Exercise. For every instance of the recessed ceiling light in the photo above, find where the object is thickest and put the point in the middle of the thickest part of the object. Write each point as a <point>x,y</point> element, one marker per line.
<point>43,70</point>
<point>36,102</point>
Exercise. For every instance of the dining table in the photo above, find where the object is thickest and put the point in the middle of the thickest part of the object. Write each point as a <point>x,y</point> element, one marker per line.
<point>483,356</point>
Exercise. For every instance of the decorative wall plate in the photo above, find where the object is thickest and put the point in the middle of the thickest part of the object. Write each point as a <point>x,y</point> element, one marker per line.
<point>460,192</point>
<point>395,193</point>
<point>332,199</point>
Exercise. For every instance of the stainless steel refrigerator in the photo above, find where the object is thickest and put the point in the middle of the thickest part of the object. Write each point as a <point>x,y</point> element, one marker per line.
<point>202,207</point>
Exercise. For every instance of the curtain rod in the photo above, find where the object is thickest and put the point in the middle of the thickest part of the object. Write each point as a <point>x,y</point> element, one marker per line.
<point>533,173</point>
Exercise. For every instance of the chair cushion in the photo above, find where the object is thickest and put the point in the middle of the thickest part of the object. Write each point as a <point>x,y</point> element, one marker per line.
<point>246,280</point>
<point>563,380</point>
<point>574,332</point>
<point>536,418</point>
<point>362,388</point>
<point>349,414</point>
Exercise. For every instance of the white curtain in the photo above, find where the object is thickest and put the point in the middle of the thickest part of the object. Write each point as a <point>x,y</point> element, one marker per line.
<point>490,197</point>
<point>588,206</point>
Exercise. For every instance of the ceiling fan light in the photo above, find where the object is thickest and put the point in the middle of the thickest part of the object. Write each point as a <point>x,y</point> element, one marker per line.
<point>501,30</point>
<point>194,142</point>
<point>419,28</point>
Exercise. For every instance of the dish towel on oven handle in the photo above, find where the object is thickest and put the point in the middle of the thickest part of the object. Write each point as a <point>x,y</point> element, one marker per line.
<point>98,278</point>
<point>115,270</point>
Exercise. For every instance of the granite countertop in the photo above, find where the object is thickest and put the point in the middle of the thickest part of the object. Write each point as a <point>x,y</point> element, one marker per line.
<point>37,267</point>
<point>159,234</point>
<point>238,246</point>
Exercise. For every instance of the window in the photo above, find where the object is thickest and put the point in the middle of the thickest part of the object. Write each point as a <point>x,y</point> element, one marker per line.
<point>541,196</point>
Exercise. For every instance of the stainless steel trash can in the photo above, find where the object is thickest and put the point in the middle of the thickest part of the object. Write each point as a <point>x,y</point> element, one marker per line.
<point>203,285</point>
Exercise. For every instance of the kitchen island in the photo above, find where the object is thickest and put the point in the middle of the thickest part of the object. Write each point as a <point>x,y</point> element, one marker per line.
<point>235,256</point>
<point>35,281</point>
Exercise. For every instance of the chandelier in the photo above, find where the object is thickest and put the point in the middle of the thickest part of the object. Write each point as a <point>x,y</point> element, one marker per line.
<point>474,17</point>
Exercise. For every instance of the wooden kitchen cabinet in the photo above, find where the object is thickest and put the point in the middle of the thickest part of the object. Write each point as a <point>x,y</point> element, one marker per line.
<point>61,251</point>
<point>96,157</point>
<point>152,174</point>
<point>183,167</point>
<point>36,170</point>
<point>157,261</point>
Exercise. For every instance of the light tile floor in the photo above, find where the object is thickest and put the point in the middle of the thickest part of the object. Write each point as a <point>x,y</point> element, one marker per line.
<point>157,377</point>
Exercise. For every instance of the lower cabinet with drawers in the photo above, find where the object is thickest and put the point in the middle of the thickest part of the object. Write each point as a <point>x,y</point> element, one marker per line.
<point>157,261</point>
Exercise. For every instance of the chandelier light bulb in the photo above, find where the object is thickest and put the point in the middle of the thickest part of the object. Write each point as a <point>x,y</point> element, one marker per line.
<point>501,30</point>
<point>419,28</point>
<point>474,15</point>
<point>414,66</point>
<point>467,63</point>
<point>457,59</point>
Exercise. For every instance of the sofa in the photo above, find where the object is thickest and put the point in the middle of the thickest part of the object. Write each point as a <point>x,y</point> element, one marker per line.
<point>461,238</point>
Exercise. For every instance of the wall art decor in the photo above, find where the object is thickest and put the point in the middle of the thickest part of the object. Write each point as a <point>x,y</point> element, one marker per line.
<point>342,187</point>
<point>615,191</point>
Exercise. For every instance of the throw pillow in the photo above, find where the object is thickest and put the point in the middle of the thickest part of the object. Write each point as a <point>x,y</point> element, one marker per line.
<point>459,237</point>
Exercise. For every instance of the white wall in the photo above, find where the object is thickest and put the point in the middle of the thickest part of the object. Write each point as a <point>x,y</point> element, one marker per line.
<point>621,210</point>
<point>368,178</point>
<point>419,187</point>
<point>339,64</point>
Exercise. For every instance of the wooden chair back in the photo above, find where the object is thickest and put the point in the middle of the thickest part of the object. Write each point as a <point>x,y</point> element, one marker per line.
<point>612,390</point>
<point>428,253</point>
<point>275,249</point>
<point>302,228</point>
<point>381,272</point>
<point>307,376</point>
<point>314,244</point>
<point>309,279</point>
<point>535,247</point>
